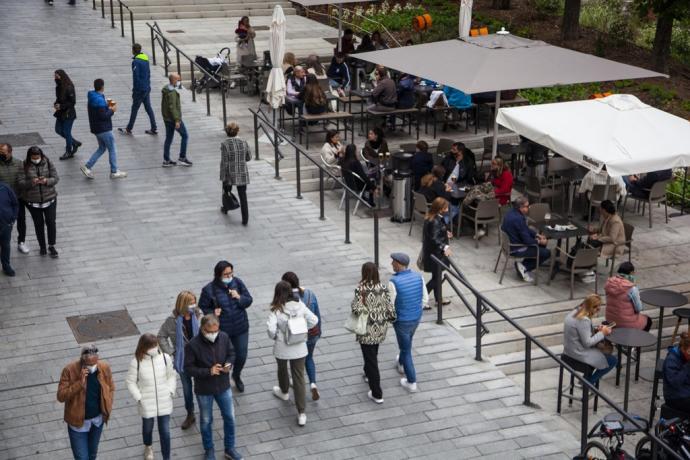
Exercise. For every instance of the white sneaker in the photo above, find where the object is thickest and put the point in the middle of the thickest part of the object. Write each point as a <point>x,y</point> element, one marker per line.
<point>302,419</point>
<point>366,379</point>
<point>523,271</point>
<point>588,279</point>
<point>87,172</point>
<point>529,278</point>
<point>401,369</point>
<point>371,396</point>
<point>23,248</point>
<point>148,452</point>
<point>233,84</point>
<point>118,175</point>
<point>280,395</point>
<point>480,233</point>
<point>411,387</point>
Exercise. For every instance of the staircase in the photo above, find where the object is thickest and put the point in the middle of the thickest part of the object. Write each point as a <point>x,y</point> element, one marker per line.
<point>196,9</point>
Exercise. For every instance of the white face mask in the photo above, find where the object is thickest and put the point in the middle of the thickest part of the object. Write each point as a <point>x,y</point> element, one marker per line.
<point>227,280</point>
<point>36,161</point>
<point>192,306</point>
<point>92,369</point>
<point>152,351</point>
<point>178,85</point>
<point>211,336</point>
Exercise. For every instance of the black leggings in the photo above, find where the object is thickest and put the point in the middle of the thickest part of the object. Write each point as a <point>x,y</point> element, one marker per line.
<point>431,285</point>
<point>648,326</point>
<point>44,218</point>
<point>242,192</point>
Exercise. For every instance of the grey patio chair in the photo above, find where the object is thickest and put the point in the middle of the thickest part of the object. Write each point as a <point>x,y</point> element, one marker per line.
<point>627,244</point>
<point>657,194</point>
<point>584,260</point>
<point>419,208</point>
<point>597,196</point>
<point>410,148</point>
<point>505,250</point>
<point>485,213</point>
<point>333,169</point>
<point>443,147</point>
<point>538,211</point>
<point>535,189</point>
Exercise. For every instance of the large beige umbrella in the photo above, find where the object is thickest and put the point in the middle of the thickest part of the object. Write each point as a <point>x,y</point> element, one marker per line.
<point>275,88</point>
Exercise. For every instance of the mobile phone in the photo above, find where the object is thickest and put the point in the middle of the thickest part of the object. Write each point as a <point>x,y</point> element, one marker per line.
<point>612,324</point>
<point>227,365</point>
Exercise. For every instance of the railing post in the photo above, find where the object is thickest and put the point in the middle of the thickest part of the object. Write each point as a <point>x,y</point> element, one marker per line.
<point>321,196</point>
<point>208,102</point>
<point>478,332</point>
<point>103,9</point>
<point>376,237</point>
<point>153,45</point>
<point>177,53</point>
<point>438,289</point>
<point>584,422</point>
<point>225,110</point>
<point>122,25</point>
<point>112,16</point>
<point>256,137</point>
<point>131,24</point>
<point>347,217</point>
<point>299,178</point>
<point>166,61</point>
<point>191,68</point>
<point>276,153</point>
<point>528,371</point>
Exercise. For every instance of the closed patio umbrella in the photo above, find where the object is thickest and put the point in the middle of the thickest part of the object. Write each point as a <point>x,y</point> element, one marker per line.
<point>465,18</point>
<point>275,88</point>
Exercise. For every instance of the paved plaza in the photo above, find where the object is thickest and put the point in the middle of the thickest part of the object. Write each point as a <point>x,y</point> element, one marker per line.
<point>137,242</point>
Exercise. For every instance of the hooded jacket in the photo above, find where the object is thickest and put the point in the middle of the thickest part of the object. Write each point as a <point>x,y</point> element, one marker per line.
<point>676,375</point>
<point>141,74</point>
<point>100,114</point>
<point>151,382</point>
<point>619,306</point>
<point>171,108</point>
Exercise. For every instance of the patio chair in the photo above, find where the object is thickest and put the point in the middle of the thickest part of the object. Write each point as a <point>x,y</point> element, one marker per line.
<point>538,211</point>
<point>443,147</point>
<point>556,167</point>
<point>359,195</point>
<point>419,208</point>
<point>657,194</point>
<point>333,169</point>
<point>506,250</point>
<point>597,196</point>
<point>629,229</point>
<point>485,213</point>
<point>535,189</point>
<point>410,148</point>
<point>584,260</point>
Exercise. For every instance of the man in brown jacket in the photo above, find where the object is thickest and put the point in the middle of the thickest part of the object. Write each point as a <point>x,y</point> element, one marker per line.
<point>86,387</point>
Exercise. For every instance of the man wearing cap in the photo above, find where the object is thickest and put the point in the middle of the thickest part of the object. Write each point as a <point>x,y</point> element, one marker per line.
<point>86,387</point>
<point>407,292</point>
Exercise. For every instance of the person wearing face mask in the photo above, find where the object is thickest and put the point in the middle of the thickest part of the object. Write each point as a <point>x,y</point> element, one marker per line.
<point>176,332</point>
<point>65,100</point>
<point>38,192</point>
<point>208,358</point>
<point>171,109</point>
<point>228,298</point>
<point>11,170</point>
<point>87,389</point>
<point>677,375</point>
<point>151,382</point>
<point>623,304</point>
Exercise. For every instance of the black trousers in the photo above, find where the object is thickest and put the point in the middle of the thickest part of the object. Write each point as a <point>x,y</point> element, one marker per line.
<point>431,285</point>
<point>44,218</point>
<point>371,369</point>
<point>242,192</point>
<point>21,222</point>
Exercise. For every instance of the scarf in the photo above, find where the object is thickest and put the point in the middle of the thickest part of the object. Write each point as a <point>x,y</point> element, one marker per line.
<point>179,340</point>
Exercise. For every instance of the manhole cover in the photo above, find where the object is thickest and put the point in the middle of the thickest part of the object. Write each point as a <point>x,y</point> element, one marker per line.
<point>176,31</point>
<point>21,139</point>
<point>100,326</point>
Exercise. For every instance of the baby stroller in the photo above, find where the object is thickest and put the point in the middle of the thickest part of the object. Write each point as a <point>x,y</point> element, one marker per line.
<point>217,67</point>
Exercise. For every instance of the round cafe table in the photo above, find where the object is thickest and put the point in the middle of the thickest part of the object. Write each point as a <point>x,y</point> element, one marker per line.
<point>628,338</point>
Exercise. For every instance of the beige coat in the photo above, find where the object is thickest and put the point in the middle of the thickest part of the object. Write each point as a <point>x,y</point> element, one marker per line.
<point>612,233</point>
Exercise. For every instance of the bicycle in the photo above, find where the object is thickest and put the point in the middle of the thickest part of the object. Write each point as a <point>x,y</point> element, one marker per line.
<point>613,432</point>
<point>674,432</point>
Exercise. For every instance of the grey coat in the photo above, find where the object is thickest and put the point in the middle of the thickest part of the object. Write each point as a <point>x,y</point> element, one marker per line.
<point>234,155</point>
<point>39,193</point>
<point>167,334</point>
<point>580,344</point>
<point>11,172</point>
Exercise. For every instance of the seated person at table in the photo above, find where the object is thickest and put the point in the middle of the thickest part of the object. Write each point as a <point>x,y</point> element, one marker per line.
<point>385,95</point>
<point>639,186</point>
<point>378,42</point>
<point>339,73</point>
<point>677,375</point>
<point>616,185</point>
<point>314,67</point>
<point>457,98</point>
<point>332,150</point>
<point>366,44</point>
<point>623,304</point>
<point>581,345</point>
<point>460,165</point>
<point>421,163</point>
<point>295,85</point>
<point>314,98</point>
<point>347,42</point>
<point>349,164</point>
<point>406,94</point>
<point>432,187</point>
<point>502,180</point>
<point>515,226</point>
<point>610,235</point>
<point>375,145</point>
<point>289,64</point>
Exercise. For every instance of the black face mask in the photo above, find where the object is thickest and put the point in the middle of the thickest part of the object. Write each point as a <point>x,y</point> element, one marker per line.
<point>5,159</point>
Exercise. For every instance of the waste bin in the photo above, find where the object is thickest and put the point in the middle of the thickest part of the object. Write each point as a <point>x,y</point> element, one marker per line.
<point>401,196</point>
<point>536,160</point>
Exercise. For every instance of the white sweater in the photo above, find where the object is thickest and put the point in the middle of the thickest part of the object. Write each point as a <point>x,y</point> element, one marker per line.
<point>277,323</point>
<point>155,387</point>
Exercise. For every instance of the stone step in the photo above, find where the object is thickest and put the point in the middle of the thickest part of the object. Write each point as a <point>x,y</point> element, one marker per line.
<point>174,3</point>
<point>231,13</point>
<point>156,9</point>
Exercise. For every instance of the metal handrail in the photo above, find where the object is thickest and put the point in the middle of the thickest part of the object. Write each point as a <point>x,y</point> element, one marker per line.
<point>261,119</point>
<point>483,304</point>
<point>356,26</point>
<point>122,23</point>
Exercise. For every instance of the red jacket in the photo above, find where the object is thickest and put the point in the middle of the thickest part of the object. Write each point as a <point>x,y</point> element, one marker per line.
<point>503,185</point>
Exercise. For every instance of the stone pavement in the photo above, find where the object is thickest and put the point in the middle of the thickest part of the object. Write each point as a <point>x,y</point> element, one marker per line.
<point>137,242</point>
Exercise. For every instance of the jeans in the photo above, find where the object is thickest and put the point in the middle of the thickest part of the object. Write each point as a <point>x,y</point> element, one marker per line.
<point>5,242</point>
<point>44,218</point>
<point>297,372</point>
<point>454,210</point>
<point>21,222</point>
<point>371,369</point>
<point>169,134</point>
<point>599,373</point>
<point>187,388</point>
<point>244,206</point>
<point>241,344</point>
<point>105,141</point>
<point>404,333</point>
<point>309,360</point>
<point>85,445</point>
<point>63,127</point>
<point>531,263</point>
<point>139,98</point>
<point>163,433</point>
<point>227,411</point>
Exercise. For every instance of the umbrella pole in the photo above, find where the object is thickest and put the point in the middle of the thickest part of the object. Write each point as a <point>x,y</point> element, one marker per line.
<point>340,25</point>
<point>606,189</point>
<point>494,143</point>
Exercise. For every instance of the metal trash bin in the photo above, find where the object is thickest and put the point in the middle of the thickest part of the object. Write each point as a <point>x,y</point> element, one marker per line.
<point>401,196</point>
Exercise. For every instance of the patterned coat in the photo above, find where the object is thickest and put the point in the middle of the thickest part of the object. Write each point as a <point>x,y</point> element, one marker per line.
<point>234,155</point>
<point>377,302</point>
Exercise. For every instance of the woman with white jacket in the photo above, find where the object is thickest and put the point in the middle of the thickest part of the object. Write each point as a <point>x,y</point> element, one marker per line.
<point>151,382</point>
<point>283,308</point>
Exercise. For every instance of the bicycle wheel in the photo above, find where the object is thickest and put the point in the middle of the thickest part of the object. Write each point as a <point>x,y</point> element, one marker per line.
<point>643,449</point>
<point>596,451</point>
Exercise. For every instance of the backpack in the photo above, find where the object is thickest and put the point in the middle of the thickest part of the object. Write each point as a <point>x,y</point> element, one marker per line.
<point>296,330</point>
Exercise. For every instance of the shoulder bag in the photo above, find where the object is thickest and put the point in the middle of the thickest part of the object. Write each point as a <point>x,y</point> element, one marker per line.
<point>357,324</point>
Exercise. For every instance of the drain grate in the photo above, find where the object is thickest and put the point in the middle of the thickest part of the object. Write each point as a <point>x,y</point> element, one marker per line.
<point>101,326</point>
<point>21,139</point>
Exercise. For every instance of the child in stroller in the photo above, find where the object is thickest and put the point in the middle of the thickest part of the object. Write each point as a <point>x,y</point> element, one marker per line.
<point>217,68</point>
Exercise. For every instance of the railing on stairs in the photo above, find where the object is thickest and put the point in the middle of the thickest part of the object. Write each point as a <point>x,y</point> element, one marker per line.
<point>122,7</point>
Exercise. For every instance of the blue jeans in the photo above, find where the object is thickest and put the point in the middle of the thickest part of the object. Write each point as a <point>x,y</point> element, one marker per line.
<point>599,373</point>
<point>63,127</point>
<point>163,433</point>
<point>5,243</point>
<point>105,141</point>
<point>139,98</point>
<point>309,361</point>
<point>241,345</point>
<point>224,401</point>
<point>169,134</point>
<point>85,445</point>
<point>404,333</point>
<point>531,263</point>
<point>187,392</point>
<point>453,211</point>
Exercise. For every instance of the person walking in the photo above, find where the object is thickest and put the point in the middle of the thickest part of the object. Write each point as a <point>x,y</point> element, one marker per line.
<point>87,389</point>
<point>208,358</point>
<point>151,382</point>
<point>228,298</point>
<point>65,114</point>
<point>171,109</point>
<point>101,111</point>
<point>9,208</point>
<point>234,155</point>
<point>435,243</point>
<point>308,298</point>
<point>244,37</point>
<point>38,184</point>
<point>408,294</point>
<point>11,170</point>
<point>175,333</point>
<point>286,307</point>
<point>141,91</point>
<point>373,299</point>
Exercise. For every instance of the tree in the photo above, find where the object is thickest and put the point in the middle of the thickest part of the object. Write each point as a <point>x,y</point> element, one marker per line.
<point>571,20</point>
<point>666,11</point>
<point>501,4</point>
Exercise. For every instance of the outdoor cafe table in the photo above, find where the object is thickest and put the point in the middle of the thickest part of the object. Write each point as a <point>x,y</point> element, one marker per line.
<point>629,338</point>
<point>364,95</point>
<point>559,235</point>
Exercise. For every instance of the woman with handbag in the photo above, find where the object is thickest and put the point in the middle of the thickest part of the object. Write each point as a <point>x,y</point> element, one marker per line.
<point>373,300</point>
<point>234,155</point>
<point>65,100</point>
<point>435,242</point>
<point>309,299</point>
<point>288,325</point>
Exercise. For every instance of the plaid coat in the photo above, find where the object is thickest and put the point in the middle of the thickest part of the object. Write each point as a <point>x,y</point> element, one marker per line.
<point>235,153</point>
